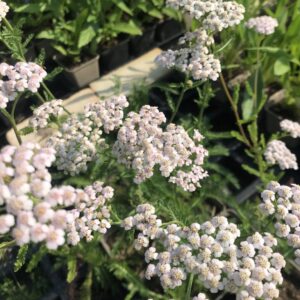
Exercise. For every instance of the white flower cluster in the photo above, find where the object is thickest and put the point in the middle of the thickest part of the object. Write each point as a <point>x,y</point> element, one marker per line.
<point>42,114</point>
<point>283,202</point>
<point>292,128</point>
<point>215,14</point>
<point>200,296</point>
<point>142,144</point>
<point>277,153</point>
<point>4,8</point>
<point>36,211</point>
<point>251,270</point>
<point>263,25</point>
<point>23,76</point>
<point>80,136</point>
<point>194,57</point>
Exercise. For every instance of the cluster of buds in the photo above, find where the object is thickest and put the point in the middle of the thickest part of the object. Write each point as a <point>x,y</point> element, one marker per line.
<point>216,15</point>
<point>264,25</point>
<point>37,212</point>
<point>142,144</point>
<point>290,127</point>
<point>278,153</point>
<point>4,8</point>
<point>209,251</point>
<point>194,57</point>
<point>19,78</point>
<point>43,114</point>
<point>283,202</point>
<point>79,138</point>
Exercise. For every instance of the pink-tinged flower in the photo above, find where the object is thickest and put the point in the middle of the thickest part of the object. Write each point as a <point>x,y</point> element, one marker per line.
<point>26,218</point>
<point>43,212</point>
<point>6,222</point>
<point>55,197</point>
<point>54,238</point>
<point>38,232</point>
<point>263,25</point>
<point>21,235</point>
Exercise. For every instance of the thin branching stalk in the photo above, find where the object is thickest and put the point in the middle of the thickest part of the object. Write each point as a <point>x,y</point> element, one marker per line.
<point>235,110</point>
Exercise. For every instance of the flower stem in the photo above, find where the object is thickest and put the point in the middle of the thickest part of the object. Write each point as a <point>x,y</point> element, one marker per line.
<point>235,111</point>
<point>13,124</point>
<point>189,287</point>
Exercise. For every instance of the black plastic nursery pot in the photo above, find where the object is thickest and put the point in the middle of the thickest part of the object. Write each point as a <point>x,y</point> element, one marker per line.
<point>83,74</point>
<point>141,44</point>
<point>168,31</point>
<point>114,57</point>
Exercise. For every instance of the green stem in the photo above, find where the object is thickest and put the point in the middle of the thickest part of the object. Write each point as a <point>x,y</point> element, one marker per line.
<point>177,105</point>
<point>40,97</point>
<point>189,287</point>
<point>47,90</point>
<point>183,91</point>
<point>13,124</point>
<point>256,76</point>
<point>235,111</point>
<point>15,105</point>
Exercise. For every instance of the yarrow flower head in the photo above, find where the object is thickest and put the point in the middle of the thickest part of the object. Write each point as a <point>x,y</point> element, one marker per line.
<point>36,211</point>
<point>4,8</point>
<point>194,56</point>
<point>215,14</point>
<point>292,128</point>
<point>142,144</point>
<point>283,202</point>
<point>277,153</point>
<point>42,114</point>
<point>23,76</point>
<point>263,25</point>
<point>81,135</point>
<point>209,250</point>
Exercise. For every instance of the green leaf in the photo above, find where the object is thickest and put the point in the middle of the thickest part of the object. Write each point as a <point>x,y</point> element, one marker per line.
<point>26,130</point>
<point>86,288</point>
<point>86,36</point>
<point>31,8</point>
<point>252,129</point>
<point>247,108</point>
<point>251,170</point>
<point>282,66</point>
<point>265,49</point>
<point>9,244</point>
<point>36,258</point>
<point>46,34</point>
<point>237,135</point>
<point>21,257</point>
<point>122,5</point>
<point>130,28</point>
<point>72,269</point>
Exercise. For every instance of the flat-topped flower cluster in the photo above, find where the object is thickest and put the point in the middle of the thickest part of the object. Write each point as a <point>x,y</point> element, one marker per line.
<point>19,78</point>
<point>250,269</point>
<point>142,144</point>
<point>290,127</point>
<point>42,115</point>
<point>36,211</point>
<point>283,202</point>
<point>278,153</point>
<point>81,135</point>
<point>194,57</point>
<point>264,25</point>
<point>4,9</point>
